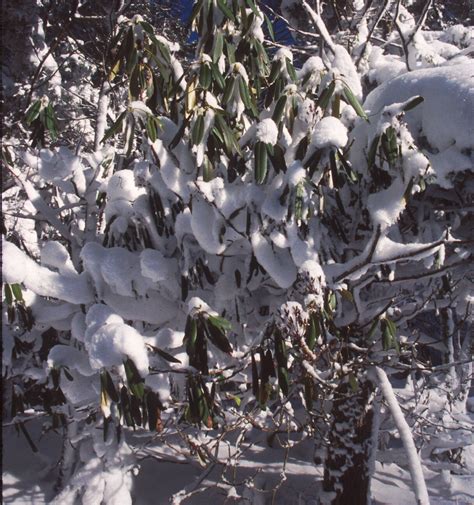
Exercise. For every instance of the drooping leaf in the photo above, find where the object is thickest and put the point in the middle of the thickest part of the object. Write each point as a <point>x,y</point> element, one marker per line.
<point>414,102</point>
<point>8,294</point>
<point>291,70</point>
<point>269,27</point>
<point>108,385</point>
<point>198,130</point>
<point>373,151</point>
<point>165,355</point>
<point>205,76</point>
<point>279,109</point>
<point>261,162</point>
<point>217,336</point>
<point>225,9</point>
<point>33,112</point>
<point>17,293</point>
<point>218,47</point>
<point>114,128</point>
<point>354,102</point>
<point>325,96</point>
<point>283,380</point>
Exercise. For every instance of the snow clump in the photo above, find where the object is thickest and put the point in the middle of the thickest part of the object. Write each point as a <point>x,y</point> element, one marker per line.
<point>267,131</point>
<point>329,132</point>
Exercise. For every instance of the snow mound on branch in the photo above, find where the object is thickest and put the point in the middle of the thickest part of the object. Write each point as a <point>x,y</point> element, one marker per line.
<point>267,131</point>
<point>329,132</point>
<point>110,341</point>
<point>343,67</point>
<point>276,261</point>
<point>57,165</point>
<point>444,120</point>
<point>18,268</point>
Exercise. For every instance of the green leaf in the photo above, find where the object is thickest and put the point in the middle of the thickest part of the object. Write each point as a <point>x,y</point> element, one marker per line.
<point>245,95</point>
<point>218,47</point>
<point>274,72</point>
<point>332,302</point>
<point>17,293</point>
<point>283,380</point>
<point>205,76</point>
<point>373,151</point>
<point>218,78</point>
<point>269,27</point>
<point>166,356</point>
<point>354,102</point>
<point>407,192</point>
<point>190,334</point>
<point>351,174</point>
<point>8,294</point>
<point>414,102</point>
<point>152,405</point>
<point>325,96</point>
<point>228,90</point>
<point>126,407</point>
<point>33,112</point>
<point>373,328</point>
<point>392,327</point>
<point>151,128</point>
<point>217,336</point>
<point>230,143</point>
<point>135,410</point>
<point>279,109</point>
<point>278,159</point>
<point>353,382</point>
<point>114,128</point>
<point>195,12</point>
<point>220,322</point>
<point>261,162</point>
<point>114,71</point>
<point>50,121</point>
<point>252,6</point>
<point>135,381</point>
<point>313,332</point>
<point>230,49</point>
<point>198,130</point>
<point>225,9</point>
<point>291,70</point>
<point>131,61</point>
<point>109,386</point>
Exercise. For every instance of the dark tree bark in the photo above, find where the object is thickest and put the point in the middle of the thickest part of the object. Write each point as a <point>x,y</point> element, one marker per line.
<point>347,466</point>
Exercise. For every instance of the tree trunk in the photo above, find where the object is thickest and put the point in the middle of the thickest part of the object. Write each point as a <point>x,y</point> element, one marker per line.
<point>347,469</point>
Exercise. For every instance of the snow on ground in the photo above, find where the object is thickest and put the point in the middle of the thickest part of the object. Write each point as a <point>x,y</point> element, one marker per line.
<point>28,478</point>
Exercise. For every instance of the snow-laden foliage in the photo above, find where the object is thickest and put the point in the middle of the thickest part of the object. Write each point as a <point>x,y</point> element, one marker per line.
<point>245,241</point>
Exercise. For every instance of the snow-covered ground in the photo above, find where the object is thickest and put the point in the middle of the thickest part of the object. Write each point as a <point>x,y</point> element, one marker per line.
<point>28,477</point>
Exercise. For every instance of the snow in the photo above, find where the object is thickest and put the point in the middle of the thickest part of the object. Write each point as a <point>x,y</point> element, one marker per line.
<point>386,206</point>
<point>155,266</point>
<point>227,246</point>
<point>444,118</point>
<point>18,268</point>
<point>342,67</point>
<point>110,341</point>
<point>414,464</point>
<point>277,262</point>
<point>64,355</point>
<point>57,165</point>
<point>329,132</point>
<point>207,226</point>
<point>55,255</point>
<point>267,132</point>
